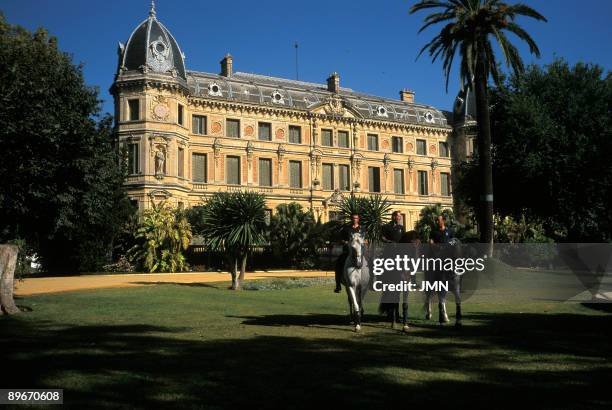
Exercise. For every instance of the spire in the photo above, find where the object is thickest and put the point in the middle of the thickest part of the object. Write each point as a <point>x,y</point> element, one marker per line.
<point>152,11</point>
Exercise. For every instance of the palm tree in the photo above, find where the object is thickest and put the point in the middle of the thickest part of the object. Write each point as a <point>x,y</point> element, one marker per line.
<point>374,211</point>
<point>234,223</point>
<point>470,25</point>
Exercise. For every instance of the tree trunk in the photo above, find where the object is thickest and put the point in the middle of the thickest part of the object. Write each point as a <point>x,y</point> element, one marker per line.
<point>234,272</point>
<point>243,263</point>
<point>484,153</point>
<point>8,261</point>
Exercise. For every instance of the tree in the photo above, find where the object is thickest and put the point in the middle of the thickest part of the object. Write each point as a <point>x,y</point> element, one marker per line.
<point>428,221</point>
<point>8,261</point>
<point>234,223</point>
<point>374,211</point>
<point>553,133</point>
<point>294,233</point>
<point>470,25</point>
<point>60,175</point>
<point>162,236</point>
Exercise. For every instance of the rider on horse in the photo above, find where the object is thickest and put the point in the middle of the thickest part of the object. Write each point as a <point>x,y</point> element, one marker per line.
<point>347,231</point>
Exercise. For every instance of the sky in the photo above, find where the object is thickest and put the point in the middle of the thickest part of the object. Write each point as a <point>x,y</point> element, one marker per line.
<point>371,44</point>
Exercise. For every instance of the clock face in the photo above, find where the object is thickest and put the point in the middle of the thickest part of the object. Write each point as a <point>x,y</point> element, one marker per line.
<point>161,111</point>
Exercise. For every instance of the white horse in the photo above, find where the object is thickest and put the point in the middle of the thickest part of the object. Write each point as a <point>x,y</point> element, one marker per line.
<point>356,278</point>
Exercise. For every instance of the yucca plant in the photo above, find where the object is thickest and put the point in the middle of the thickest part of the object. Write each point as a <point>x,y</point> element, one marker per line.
<point>233,223</point>
<point>374,211</point>
<point>163,234</point>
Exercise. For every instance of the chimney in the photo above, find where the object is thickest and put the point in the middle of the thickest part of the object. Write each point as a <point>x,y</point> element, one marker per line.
<point>226,65</point>
<point>333,83</point>
<point>406,95</point>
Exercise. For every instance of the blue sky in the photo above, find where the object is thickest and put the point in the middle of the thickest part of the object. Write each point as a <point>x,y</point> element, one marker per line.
<point>372,44</point>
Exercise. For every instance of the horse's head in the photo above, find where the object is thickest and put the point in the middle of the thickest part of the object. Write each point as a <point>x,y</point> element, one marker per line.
<point>356,245</point>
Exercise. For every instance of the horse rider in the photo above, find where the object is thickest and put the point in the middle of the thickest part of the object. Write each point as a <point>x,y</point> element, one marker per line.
<point>441,239</point>
<point>347,231</point>
<point>394,230</point>
<point>392,233</point>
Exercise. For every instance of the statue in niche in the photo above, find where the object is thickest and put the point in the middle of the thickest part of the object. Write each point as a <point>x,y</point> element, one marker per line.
<point>160,164</point>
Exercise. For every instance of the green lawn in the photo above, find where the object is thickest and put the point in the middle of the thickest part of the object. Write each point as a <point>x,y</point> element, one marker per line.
<point>202,346</point>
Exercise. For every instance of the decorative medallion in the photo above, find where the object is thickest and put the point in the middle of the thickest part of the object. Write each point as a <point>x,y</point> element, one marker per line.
<point>280,134</point>
<point>432,149</point>
<point>248,130</point>
<point>385,144</point>
<point>216,127</point>
<point>160,110</point>
<point>409,147</point>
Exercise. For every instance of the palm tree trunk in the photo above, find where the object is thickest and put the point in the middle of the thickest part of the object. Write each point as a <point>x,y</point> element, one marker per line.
<point>234,272</point>
<point>243,263</point>
<point>8,261</point>
<point>484,153</point>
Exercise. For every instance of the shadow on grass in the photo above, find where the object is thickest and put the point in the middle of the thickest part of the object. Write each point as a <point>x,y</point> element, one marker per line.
<point>144,366</point>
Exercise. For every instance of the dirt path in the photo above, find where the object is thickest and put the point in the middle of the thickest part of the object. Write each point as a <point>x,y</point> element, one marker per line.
<point>35,286</point>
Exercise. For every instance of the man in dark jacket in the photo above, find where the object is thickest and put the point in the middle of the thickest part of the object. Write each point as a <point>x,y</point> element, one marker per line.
<point>394,230</point>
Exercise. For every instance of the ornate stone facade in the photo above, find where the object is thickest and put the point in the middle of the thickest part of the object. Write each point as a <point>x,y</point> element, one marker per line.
<point>333,137</point>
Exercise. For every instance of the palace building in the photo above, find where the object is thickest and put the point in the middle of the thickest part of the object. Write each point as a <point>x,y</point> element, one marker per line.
<point>189,134</point>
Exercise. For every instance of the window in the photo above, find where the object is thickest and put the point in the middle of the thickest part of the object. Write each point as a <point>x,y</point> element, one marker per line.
<point>343,139</point>
<point>295,134</point>
<point>134,109</point>
<point>373,142</point>
<point>198,167</point>
<point>133,159</point>
<point>232,128</point>
<point>328,177</point>
<point>265,172</point>
<point>232,170</point>
<point>198,124</point>
<point>422,180</point>
<point>403,219</point>
<point>180,115</point>
<point>374,179</point>
<point>397,144</point>
<point>443,148</point>
<point>264,131</point>
<point>398,181</point>
<point>326,138</point>
<point>421,147</point>
<point>181,162</point>
<point>445,188</point>
<point>295,174</point>
<point>343,177</point>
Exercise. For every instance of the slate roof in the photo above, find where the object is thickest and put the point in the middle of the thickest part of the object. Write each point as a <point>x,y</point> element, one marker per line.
<point>301,95</point>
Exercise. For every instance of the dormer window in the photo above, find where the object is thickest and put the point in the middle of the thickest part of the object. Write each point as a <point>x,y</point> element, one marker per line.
<point>214,90</point>
<point>277,97</point>
<point>429,118</point>
<point>381,111</point>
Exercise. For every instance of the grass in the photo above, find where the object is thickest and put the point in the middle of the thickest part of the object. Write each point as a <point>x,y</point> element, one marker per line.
<point>290,346</point>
